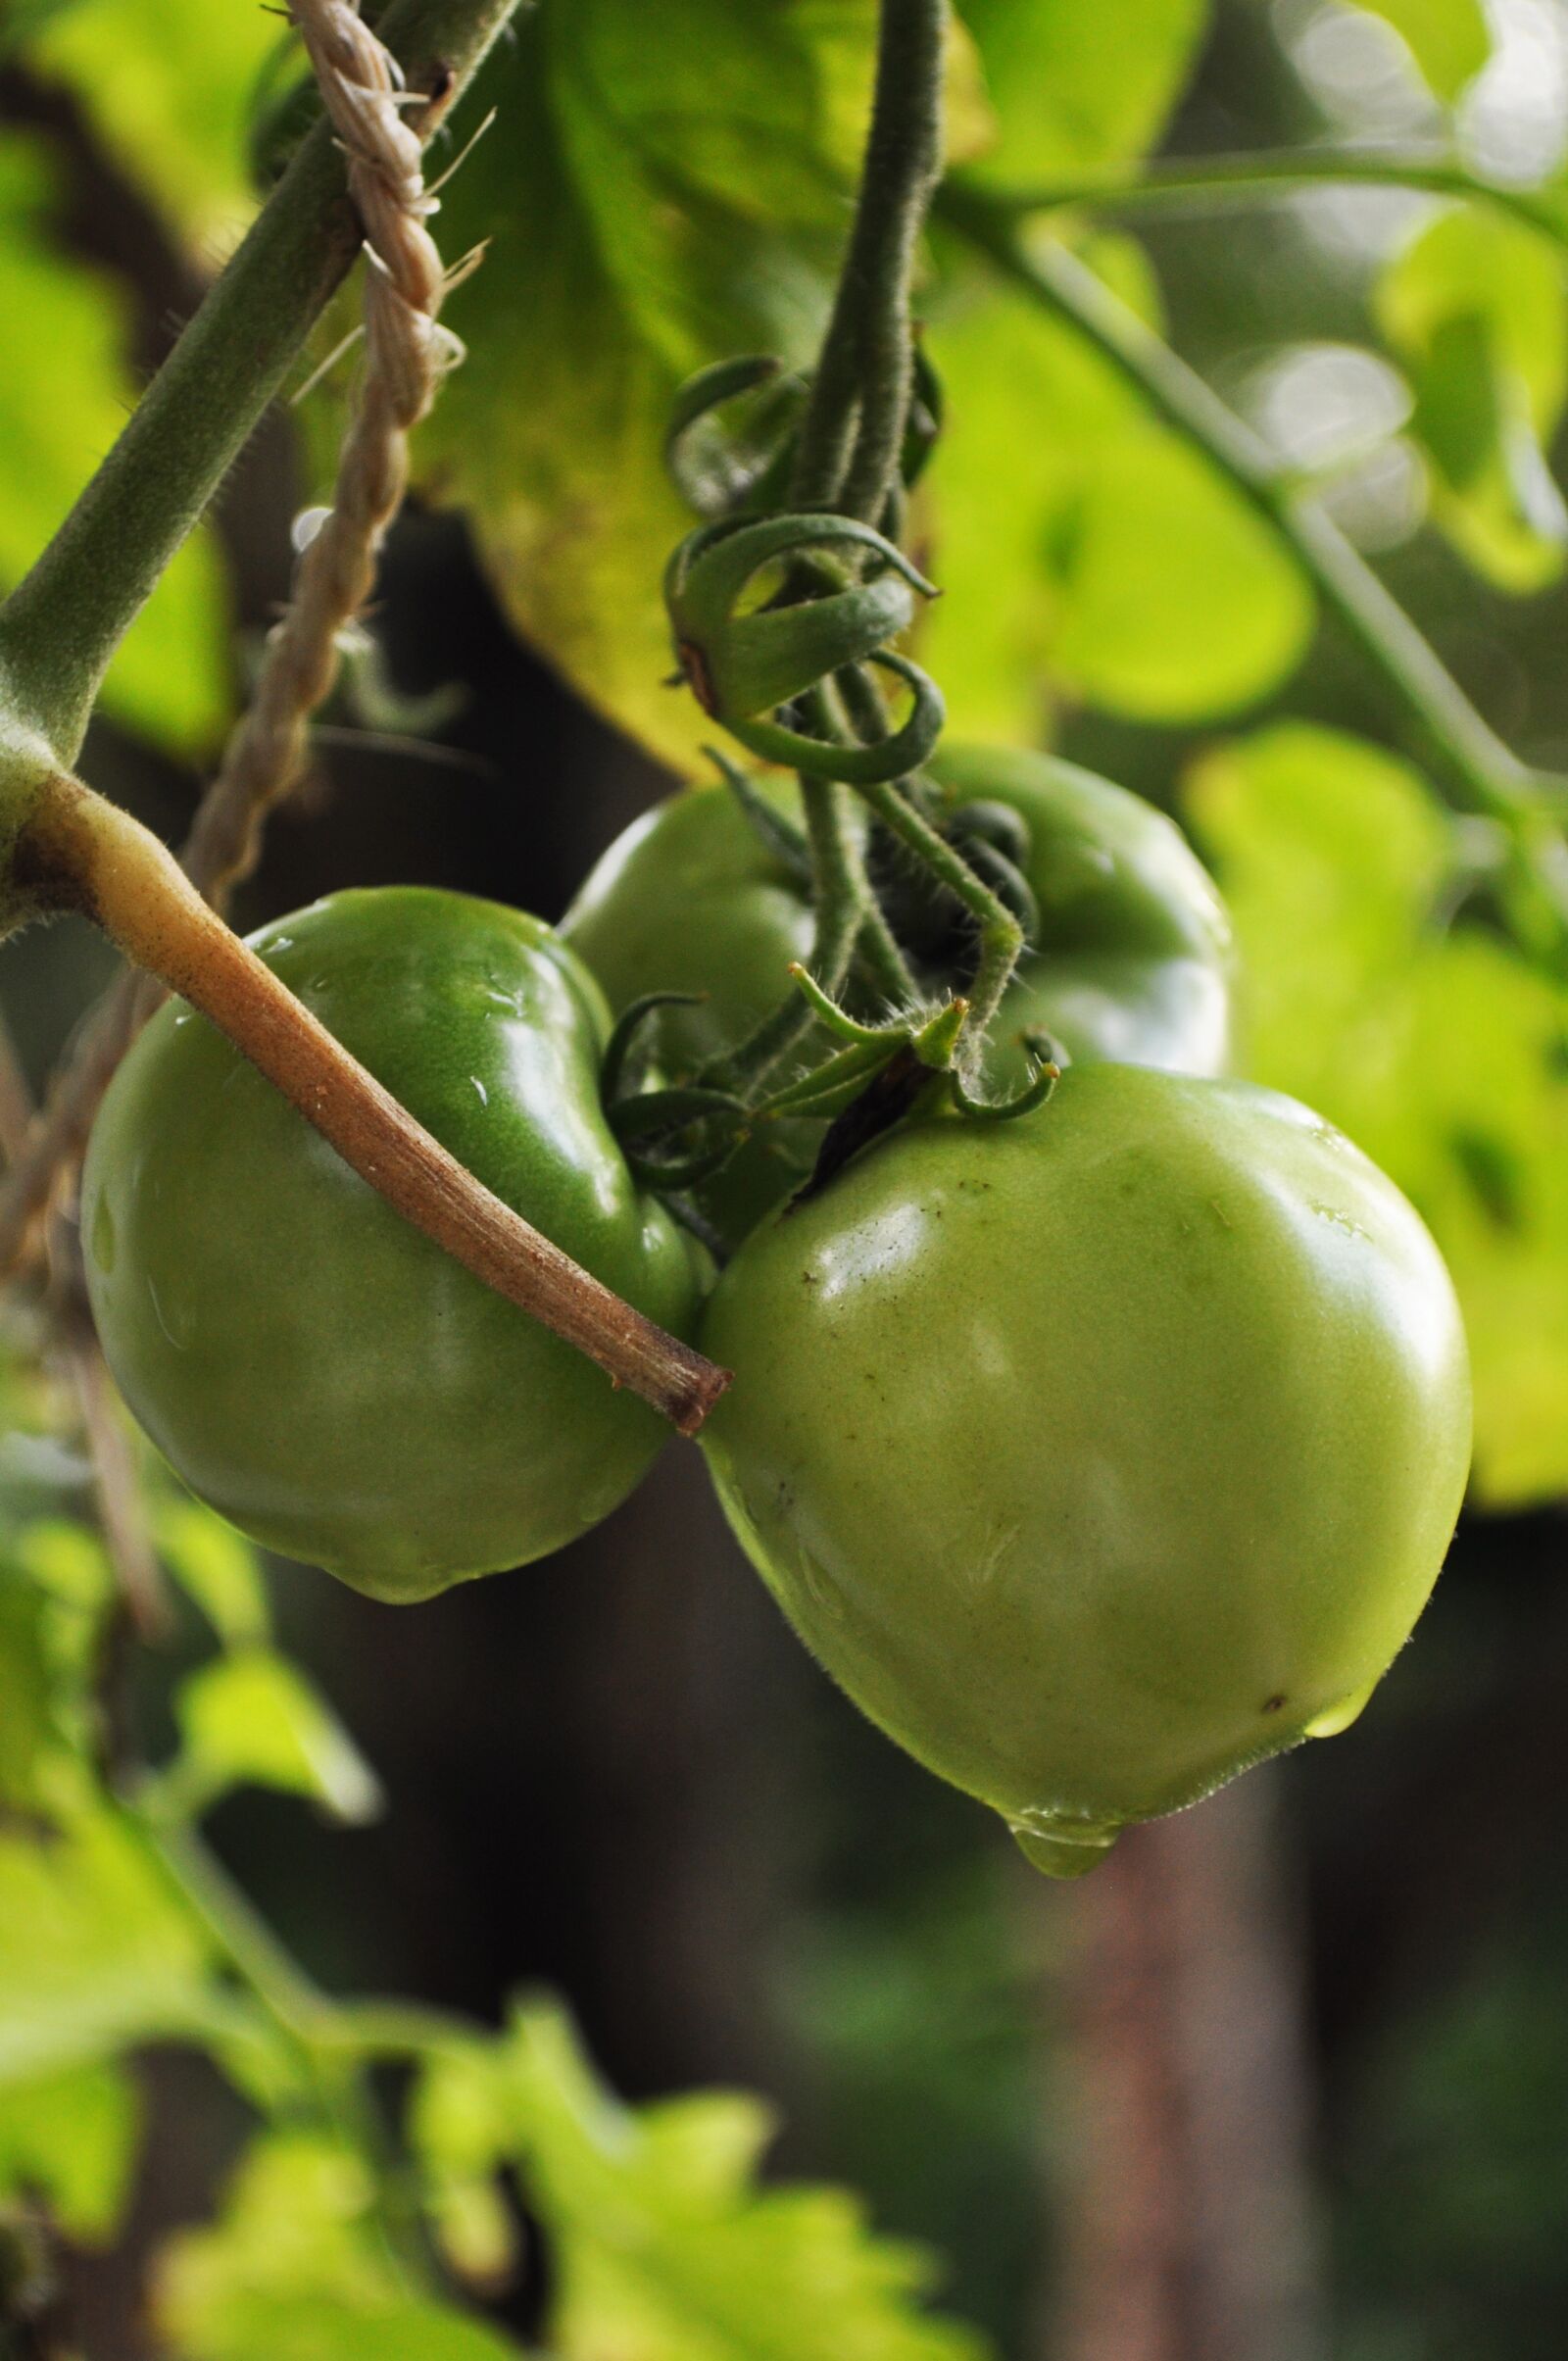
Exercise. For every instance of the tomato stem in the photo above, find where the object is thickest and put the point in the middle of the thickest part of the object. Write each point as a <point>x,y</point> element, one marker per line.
<point>79,852</point>
<point>854,421</point>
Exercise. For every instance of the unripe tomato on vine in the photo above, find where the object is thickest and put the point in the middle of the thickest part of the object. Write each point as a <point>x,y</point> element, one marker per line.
<point>1100,1453</point>
<point>316,1369</point>
<point>1133,958</point>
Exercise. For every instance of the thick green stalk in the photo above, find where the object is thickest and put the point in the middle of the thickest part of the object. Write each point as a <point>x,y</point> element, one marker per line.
<point>61,625</point>
<point>1482,774</point>
<point>854,426</point>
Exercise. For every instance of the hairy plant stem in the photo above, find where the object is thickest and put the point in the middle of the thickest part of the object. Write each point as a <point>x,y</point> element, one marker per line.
<point>1001,937</point>
<point>79,852</point>
<point>845,913</point>
<point>1164,183</point>
<point>62,624</point>
<point>854,421</point>
<point>1482,774</point>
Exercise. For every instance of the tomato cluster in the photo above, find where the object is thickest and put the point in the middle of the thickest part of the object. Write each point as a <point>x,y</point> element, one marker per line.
<point>1097,1453</point>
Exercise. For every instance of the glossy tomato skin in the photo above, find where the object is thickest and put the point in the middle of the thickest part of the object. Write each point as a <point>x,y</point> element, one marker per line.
<point>1134,960</point>
<point>1099,1454</point>
<point>312,1366</point>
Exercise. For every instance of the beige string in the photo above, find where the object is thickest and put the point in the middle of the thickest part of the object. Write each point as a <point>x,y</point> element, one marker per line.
<point>405,354</point>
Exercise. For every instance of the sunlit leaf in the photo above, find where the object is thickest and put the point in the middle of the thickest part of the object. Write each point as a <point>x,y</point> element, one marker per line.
<point>62,399</point>
<point>96,1953</point>
<point>252,1718</point>
<point>668,2250</point>
<point>1075,84</point>
<point>217,1568</point>
<point>72,2140</point>
<point>297,2269</point>
<point>1476,308</point>
<point>1448,39</point>
<point>1434,1045</point>
<point>168,85</point>
<point>1081,548</point>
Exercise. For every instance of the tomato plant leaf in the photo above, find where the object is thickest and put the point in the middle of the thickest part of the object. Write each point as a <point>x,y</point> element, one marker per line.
<point>72,2139</point>
<point>295,2270</point>
<point>168,86</point>
<point>1099,558</point>
<point>1475,309</point>
<point>1365,1002</point>
<point>252,1718</point>
<point>170,679</point>
<point>668,2250</point>
<point>1448,39</point>
<point>1075,85</point>
<point>96,1953</point>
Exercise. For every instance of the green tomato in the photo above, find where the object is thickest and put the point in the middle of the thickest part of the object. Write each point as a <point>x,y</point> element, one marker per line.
<point>319,1370</point>
<point>1133,963</point>
<point>1099,1454</point>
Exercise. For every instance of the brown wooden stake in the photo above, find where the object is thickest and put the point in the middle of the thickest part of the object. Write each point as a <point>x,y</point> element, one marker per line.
<point>1188,2225</point>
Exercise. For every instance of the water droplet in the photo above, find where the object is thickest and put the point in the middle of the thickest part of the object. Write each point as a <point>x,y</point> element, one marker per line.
<point>1063,1844</point>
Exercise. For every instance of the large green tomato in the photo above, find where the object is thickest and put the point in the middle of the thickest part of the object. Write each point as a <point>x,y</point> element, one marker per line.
<point>1133,962</point>
<point>311,1364</point>
<point>1098,1453</point>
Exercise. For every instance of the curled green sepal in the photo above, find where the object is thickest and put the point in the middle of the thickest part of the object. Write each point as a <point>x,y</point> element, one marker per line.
<point>730,432</point>
<point>1043,1077</point>
<point>891,758</point>
<point>837,1082</point>
<point>617,1065</point>
<point>651,1117</point>
<point>744,665</point>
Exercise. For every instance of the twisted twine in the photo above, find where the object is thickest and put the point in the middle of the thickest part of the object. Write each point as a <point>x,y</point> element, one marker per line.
<point>406,355</point>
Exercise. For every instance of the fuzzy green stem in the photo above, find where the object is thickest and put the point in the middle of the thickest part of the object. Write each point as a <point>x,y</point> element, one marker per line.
<point>855,421</point>
<point>1001,937</point>
<point>1166,183</point>
<point>62,624</point>
<point>1484,776</point>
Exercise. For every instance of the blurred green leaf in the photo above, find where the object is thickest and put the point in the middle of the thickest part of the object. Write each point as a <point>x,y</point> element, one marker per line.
<point>217,1568</point>
<point>1476,308</point>
<point>252,1718</point>
<point>58,413</point>
<point>1080,547</point>
<point>27,1715</point>
<point>72,2140</point>
<point>1433,1045</point>
<point>96,1951</point>
<point>666,2249</point>
<point>168,85</point>
<point>1076,85</point>
<point>1448,39</point>
<point>296,2270</point>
